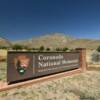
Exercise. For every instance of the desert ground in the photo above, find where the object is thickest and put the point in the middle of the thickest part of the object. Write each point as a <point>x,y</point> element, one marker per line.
<point>3,54</point>
<point>81,86</point>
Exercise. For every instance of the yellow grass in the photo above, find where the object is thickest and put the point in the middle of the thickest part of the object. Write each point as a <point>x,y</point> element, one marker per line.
<point>83,86</point>
<point>3,53</point>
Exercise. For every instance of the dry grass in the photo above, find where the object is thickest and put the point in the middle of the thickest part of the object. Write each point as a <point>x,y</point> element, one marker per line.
<point>84,86</point>
<point>3,55</point>
<point>3,67</point>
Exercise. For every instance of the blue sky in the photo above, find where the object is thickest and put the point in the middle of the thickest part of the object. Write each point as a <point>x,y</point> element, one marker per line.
<point>21,19</point>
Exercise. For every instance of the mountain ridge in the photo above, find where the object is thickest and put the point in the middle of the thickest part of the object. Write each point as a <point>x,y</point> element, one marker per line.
<point>5,42</point>
<point>54,41</point>
<point>48,40</point>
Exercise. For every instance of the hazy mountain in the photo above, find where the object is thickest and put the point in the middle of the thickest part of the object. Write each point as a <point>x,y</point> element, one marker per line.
<point>54,40</point>
<point>5,42</point>
<point>59,40</point>
<point>84,43</point>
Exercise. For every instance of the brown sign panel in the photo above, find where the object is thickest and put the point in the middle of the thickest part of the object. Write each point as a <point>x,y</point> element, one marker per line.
<point>28,65</point>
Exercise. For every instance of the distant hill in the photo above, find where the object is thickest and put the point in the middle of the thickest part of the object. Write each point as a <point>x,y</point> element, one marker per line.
<point>59,40</point>
<point>53,41</point>
<point>84,43</point>
<point>5,42</point>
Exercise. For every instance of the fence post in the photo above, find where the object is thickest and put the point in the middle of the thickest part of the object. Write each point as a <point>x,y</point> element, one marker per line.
<point>82,58</point>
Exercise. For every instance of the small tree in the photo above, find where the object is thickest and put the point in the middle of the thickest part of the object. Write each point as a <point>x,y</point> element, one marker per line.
<point>3,47</point>
<point>65,49</point>
<point>58,49</point>
<point>48,49</point>
<point>98,49</point>
<point>17,47</point>
<point>42,48</point>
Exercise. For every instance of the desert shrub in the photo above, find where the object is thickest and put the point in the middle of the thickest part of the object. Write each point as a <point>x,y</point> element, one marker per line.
<point>41,48</point>
<point>95,57</point>
<point>58,49</point>
<point>62,49</point>
<point>65,49</point>
<point>3,47</point>
<point>98,49</point>
<point>33,49</point>
<point>48,49</point>
<point>17,47</point>
<point>84,97</point>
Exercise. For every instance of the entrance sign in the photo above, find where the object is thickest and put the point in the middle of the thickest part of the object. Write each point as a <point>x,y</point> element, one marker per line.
<point>30,65</point>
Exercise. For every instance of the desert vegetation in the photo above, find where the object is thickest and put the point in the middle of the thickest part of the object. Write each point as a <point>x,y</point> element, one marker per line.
<point>82,86</point>
<point>3,71</point>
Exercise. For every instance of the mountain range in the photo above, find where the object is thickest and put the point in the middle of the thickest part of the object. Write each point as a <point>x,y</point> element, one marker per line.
<point>54,41</point>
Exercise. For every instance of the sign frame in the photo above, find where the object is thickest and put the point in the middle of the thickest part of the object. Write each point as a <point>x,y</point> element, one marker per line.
<point>30,73</point>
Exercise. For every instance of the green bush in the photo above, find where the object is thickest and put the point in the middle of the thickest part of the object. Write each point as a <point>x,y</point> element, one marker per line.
<point>58,49</point>
<point>17,47</point>
<point>3,47</point>
<point>41,48</point>
<point>98,49</point>
<point>65,49</point>
<point>62,49</point>
<point>48,49</point>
